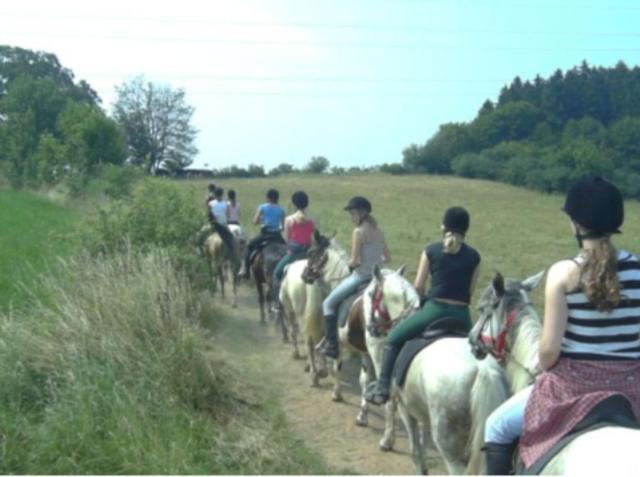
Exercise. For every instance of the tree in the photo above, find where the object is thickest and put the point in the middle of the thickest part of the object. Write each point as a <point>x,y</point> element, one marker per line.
<point>282,168</point>
<point>156,122</point>
<point>317,165</point>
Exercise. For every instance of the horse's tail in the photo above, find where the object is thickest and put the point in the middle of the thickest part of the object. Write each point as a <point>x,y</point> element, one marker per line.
<point>488,392</point>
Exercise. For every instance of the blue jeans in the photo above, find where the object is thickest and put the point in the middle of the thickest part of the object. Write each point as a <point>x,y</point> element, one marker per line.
<point>504,425</point>
<point>347,287</point>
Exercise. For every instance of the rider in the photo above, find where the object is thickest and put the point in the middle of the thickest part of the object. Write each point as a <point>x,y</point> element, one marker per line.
<point>234,208</point>
<point>368,248</point>
<point>270,216</point>
<point>219,213</point>
<point>211,188</point>
<point>298,230</point>
<point>453,266</point>
<point>590,343</point>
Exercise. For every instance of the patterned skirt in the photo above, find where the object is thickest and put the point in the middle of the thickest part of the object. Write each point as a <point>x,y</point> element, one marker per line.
<point>565,394</point>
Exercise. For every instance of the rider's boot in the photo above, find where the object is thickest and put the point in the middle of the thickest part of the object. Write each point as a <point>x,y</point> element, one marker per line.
<point>329,345</point>
<point>379,392</point>
<point>499,458</point>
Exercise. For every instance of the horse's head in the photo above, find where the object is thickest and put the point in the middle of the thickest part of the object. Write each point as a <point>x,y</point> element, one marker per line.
<point>317,258</point>
<point>390,297</point>
<point>499,306</point>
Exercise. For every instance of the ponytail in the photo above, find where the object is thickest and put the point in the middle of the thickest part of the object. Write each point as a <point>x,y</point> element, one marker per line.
<point>452,241</point>
<point>600,276</point>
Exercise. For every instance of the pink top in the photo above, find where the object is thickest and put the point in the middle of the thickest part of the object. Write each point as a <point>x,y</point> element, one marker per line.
<point>302,232</point>
<point>234,212</point>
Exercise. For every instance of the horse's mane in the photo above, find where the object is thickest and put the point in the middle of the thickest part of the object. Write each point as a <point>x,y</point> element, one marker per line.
<point>525,347</point>
<point>343,255</point>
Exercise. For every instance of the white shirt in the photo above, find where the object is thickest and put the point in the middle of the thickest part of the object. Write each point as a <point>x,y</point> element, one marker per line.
<point>219,211</point>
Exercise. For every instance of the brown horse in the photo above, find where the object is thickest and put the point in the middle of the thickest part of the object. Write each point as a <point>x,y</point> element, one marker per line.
<point>222,261</point>
<point>262,269</point>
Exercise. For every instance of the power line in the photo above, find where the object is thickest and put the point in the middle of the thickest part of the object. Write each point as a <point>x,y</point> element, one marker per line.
<point>314,25</point>
<point>298,43</point>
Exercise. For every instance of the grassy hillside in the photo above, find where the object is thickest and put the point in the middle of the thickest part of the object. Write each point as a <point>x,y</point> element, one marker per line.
<point>33,231</point>
<point>517,231</point>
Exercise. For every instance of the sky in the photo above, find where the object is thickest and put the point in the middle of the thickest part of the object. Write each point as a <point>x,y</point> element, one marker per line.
<point>355,81</point>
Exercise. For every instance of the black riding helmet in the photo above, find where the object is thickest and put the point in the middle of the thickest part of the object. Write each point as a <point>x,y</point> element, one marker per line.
<point>300,199</point>
<point>456,219</point>
<point>359,202</point>
<point>273,195</point>
<point>596,205</point>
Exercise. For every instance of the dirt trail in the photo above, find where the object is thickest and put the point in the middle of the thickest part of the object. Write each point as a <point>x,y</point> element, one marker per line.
<point>325,426</point>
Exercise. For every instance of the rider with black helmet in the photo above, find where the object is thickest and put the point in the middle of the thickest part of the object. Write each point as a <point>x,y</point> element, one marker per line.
<point>368,248</point>
<point>270,216</point>
<point>590,343</point>
<point>298,231</point>
<point>453,266</point>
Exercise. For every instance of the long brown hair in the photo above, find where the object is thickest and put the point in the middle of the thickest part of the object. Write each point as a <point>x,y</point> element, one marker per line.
<point>599,276</point>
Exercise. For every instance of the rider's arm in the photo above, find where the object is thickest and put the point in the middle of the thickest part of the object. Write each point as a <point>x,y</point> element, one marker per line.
<point>555,314</point>
<point>474,279</point>
<point>386,255</point>
<point>422,274</point>
<point>356,244</point>
<point>287,227</point>
<point>256,218</point>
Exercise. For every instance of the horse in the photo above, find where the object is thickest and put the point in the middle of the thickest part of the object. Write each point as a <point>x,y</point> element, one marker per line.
<point>221,261</point>
<point>262,267</point>
<point>301,296</point>
<point>446,390</point>
<point>510,328</point>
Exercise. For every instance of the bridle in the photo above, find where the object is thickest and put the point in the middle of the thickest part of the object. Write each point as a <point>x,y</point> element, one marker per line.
<point>380,322</point>
<point>483,344</point>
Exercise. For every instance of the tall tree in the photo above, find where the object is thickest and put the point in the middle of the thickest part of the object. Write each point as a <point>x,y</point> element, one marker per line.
<point>157,124</point>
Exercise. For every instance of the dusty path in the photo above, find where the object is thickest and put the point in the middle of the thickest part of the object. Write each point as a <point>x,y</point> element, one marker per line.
<point>325,426</point>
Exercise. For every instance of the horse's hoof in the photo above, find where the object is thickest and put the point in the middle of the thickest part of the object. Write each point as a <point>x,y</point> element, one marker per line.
<point>285,339</point>
<point>323,373</point>
<point>307,368</point>
<point>384,447</point>
<point>337,398</point>
<point>234,305</point>
<point>362,421</point>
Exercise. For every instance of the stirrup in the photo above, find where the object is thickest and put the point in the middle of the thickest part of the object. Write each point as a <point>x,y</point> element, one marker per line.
<point>374,395</point>
<point>326,349</point>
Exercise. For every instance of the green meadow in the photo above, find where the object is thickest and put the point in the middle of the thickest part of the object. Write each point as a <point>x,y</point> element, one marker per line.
<point>517,231</point>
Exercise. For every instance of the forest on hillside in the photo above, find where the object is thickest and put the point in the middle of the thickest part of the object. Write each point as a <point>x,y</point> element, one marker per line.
<point>545,133</point>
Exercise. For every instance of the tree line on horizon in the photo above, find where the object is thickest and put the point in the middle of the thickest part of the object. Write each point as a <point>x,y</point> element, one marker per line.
<point>53,128</point>
<point>544,134</point>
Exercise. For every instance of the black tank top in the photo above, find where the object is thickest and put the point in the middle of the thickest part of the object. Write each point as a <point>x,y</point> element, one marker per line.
<point>451,274</point>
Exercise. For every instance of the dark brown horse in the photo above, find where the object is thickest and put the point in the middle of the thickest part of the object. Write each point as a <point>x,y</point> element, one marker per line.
<point>262,269</point>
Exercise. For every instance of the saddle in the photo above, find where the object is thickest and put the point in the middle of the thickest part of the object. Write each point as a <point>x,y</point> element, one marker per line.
<point>613,411</point>
<point>266,239</point>
<point>446,327</point>
<point>347,303</point>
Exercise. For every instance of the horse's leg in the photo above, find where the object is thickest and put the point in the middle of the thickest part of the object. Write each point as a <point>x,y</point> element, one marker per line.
<point>283,326</point>
<point>311,359</point>
<point>389,436</point>
<point>415,442</point>
<point>260,298</point>
<point>221,279</point>
<point>367,375</point>
<point>336,396</point>
<point>234,283</point>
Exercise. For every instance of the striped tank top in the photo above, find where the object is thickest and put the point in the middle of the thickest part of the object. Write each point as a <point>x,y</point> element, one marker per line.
<point>606,335</point>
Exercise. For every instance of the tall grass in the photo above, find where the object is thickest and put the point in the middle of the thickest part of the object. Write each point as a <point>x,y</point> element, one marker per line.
<point>111,372</point>
<point>32,231</point>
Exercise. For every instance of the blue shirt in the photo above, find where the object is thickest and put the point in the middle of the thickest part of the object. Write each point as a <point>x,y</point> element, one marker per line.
<point>272,216</point>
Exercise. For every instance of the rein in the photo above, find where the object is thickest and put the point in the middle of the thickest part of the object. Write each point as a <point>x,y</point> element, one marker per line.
<point>381,322</point>
<point>498,347</point>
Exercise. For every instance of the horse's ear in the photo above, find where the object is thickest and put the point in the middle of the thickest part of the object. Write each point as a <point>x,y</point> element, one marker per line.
<point>400,271</point>
<point>333,235</point>
<point>498,284</point>
<point>316,236</point>
<point>532,282</point>
<point>377,273</point>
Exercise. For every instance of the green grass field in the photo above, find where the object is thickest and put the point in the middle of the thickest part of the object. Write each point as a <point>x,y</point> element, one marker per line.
<point>33,232</point>
<point>517,231</point>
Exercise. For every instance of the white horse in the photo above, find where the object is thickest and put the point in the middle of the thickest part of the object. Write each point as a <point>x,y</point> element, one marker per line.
<point>510,328</point>
<point>446,389</point>
<point>222,261</point>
